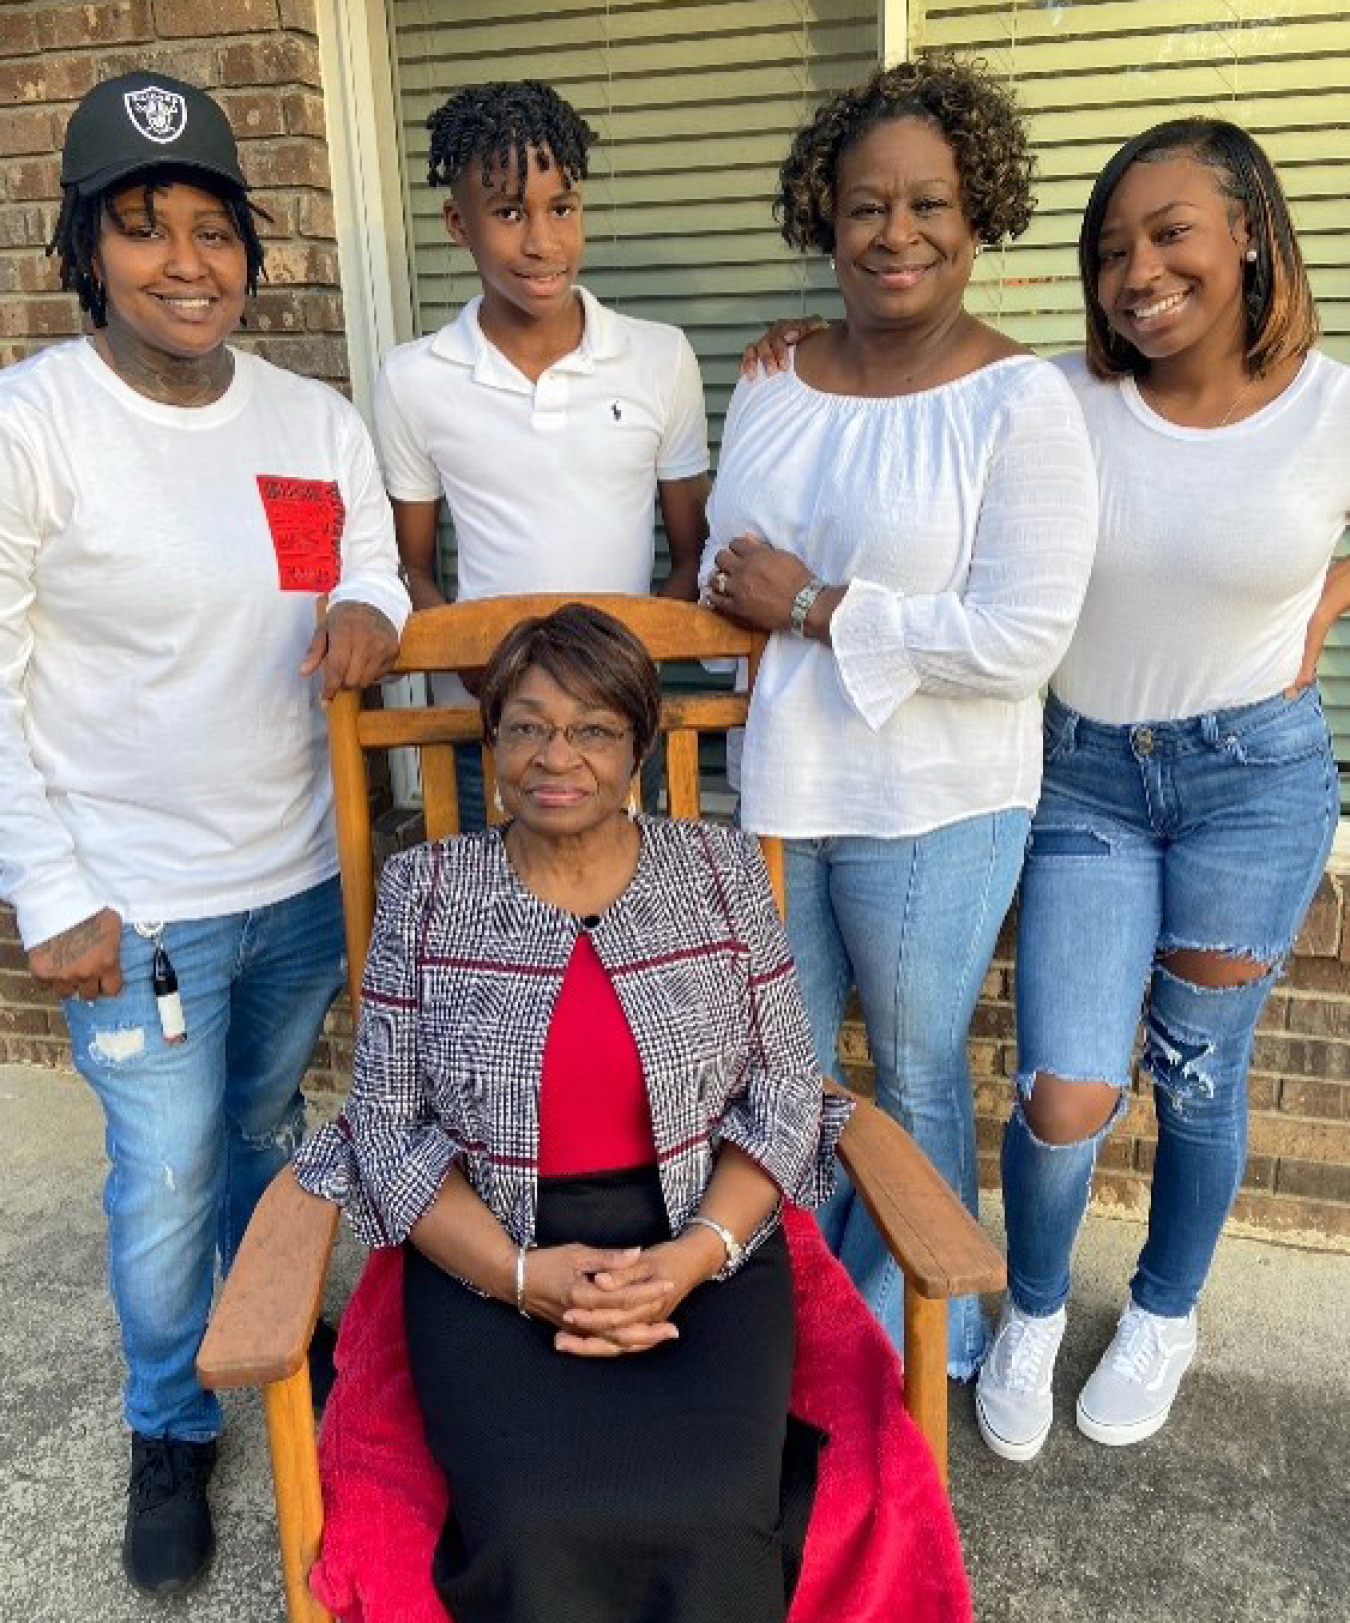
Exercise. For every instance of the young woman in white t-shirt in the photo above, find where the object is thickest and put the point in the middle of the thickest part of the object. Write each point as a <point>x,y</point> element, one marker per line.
<point>1190,793</point>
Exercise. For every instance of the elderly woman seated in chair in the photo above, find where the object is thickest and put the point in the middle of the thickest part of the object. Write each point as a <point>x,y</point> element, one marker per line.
<point>584,1085</point>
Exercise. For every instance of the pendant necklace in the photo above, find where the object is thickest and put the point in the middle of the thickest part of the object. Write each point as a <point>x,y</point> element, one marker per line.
<point>1223,421</point>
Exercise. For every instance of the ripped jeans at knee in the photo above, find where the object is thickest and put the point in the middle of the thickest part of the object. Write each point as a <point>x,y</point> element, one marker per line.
<point>1152,842</point>
<point>1197,1048</point>
<point>1045,1193</point>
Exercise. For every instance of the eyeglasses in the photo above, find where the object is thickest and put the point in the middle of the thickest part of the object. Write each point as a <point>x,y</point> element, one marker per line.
<point>585,737</point>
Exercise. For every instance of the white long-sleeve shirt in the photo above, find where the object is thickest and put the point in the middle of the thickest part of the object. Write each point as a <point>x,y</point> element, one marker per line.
<point>1214,546</point>
<point>962,519</point>
<point>159,752</point>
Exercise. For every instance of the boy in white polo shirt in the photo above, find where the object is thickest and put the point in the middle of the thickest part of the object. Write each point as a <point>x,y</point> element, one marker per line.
<point>547,422</point>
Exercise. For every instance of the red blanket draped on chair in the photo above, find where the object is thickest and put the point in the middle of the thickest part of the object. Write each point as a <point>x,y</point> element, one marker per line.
<point>882,1545</point>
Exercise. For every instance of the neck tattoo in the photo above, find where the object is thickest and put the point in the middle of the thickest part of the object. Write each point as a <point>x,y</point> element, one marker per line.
<point>165,378</point>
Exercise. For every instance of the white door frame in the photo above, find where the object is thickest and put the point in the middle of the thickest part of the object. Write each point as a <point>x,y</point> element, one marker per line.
<point>363,155</point>
<point>892,31</point>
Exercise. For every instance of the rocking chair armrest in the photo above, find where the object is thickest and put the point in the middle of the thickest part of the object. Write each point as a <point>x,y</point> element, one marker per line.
<point>939,1246</point>
<point>264,1316</point>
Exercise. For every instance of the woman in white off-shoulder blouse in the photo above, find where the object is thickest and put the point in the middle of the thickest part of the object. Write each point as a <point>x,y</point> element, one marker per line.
<point>910,506</point>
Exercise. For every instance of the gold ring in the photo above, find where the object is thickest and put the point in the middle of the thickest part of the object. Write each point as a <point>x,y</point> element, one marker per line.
<point>720,582</point>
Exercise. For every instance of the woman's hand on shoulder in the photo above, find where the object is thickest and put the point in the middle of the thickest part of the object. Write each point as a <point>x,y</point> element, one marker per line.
<point>771,350</point>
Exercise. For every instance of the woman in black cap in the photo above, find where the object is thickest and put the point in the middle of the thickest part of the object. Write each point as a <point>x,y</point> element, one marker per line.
<point>171,510</point>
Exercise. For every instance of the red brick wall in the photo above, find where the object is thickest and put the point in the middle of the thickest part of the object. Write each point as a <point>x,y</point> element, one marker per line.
<point>262,58</point>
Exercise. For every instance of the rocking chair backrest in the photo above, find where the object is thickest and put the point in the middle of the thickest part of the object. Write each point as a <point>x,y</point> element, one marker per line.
<point>462,637</point>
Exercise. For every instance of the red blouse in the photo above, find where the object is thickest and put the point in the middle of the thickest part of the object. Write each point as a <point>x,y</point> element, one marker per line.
<point>593,1109</point>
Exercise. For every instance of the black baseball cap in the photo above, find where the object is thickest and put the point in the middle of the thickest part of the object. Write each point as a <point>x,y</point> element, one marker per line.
<point>143,120</point>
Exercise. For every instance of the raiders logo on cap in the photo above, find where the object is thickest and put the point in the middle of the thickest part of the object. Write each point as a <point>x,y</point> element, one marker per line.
<point>144,120</point>
<point>159,114</point>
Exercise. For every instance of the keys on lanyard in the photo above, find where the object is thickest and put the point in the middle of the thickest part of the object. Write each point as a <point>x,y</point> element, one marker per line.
<point>164,984</point>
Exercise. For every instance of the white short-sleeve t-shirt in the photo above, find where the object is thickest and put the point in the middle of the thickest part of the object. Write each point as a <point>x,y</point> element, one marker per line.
<point>1214,543</point>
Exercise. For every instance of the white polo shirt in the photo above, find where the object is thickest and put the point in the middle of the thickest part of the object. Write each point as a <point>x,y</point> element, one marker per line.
<point>551,485</point>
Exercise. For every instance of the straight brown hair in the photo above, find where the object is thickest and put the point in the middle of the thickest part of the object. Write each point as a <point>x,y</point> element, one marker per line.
<point>1280,313</point>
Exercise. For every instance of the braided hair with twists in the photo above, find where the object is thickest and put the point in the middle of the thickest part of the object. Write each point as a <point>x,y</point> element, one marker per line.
<point>499,125</point>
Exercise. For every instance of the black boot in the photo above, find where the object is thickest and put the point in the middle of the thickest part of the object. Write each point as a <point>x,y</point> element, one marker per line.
<point>169,1540</point>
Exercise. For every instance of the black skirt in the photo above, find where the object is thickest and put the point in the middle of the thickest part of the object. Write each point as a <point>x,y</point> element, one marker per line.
<point>664,1487</point>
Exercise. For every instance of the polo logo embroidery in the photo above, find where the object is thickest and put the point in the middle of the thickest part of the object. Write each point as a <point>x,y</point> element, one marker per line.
<point>158,115</point>
<point>305,518</point>
<point>614,407</point>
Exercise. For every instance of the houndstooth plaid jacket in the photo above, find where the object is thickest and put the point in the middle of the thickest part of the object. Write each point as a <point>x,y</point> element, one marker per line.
<point>465,966</point>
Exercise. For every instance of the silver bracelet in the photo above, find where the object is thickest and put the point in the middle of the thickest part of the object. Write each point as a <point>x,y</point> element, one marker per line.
<point>733,1246</point>
<point>520,1280</point>
<point>802,605</point>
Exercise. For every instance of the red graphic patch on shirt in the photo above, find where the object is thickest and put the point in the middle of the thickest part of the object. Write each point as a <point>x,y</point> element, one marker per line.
<point>305,517</point>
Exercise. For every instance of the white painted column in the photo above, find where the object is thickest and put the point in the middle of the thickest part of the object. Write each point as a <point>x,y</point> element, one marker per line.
<point>893,29</point>
<point>363,157</point>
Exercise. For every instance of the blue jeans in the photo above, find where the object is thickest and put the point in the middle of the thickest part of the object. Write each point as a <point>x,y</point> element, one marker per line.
<point>1209,834</point>
<point>196,1130</point>
<point>470,788</point>
<point>912,923</point>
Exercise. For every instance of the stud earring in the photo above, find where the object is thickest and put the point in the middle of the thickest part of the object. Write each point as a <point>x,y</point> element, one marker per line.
<point>1250,256</point>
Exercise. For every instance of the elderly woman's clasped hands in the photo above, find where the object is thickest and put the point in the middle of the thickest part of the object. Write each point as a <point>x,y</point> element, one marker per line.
<point>605,1303</point>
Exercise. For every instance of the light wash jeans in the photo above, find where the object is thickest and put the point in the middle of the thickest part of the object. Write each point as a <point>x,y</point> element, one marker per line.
<point>1208,833</point>
<point>912,923</point>
<point>196,1130</point>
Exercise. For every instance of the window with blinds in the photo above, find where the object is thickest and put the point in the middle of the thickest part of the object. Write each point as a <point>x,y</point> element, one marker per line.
<point>1092,74</point>
<point>694,104</point>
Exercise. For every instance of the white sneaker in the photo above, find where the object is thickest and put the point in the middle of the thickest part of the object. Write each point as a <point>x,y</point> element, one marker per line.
<point>1129,1395</point>
<point>1013,1402</point>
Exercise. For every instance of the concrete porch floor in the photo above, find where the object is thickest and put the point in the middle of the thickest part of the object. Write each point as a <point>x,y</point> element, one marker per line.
<point>1238,1512</point>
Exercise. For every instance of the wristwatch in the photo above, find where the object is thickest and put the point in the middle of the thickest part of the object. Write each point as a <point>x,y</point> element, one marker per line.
<point>801,605</point>
<point>735,1250</point>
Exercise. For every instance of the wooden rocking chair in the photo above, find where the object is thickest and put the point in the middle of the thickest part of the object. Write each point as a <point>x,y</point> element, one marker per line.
<point>265,1316</point>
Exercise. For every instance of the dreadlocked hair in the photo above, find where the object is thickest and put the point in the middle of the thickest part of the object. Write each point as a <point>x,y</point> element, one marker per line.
<point>499,125</point>
<point>80,225</point>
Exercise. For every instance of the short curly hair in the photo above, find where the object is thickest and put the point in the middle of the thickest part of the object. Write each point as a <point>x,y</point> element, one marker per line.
<point>590,655</point>
<point>977,117</point>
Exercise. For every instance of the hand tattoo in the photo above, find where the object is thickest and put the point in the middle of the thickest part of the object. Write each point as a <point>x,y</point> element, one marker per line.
<point>71,944</point>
